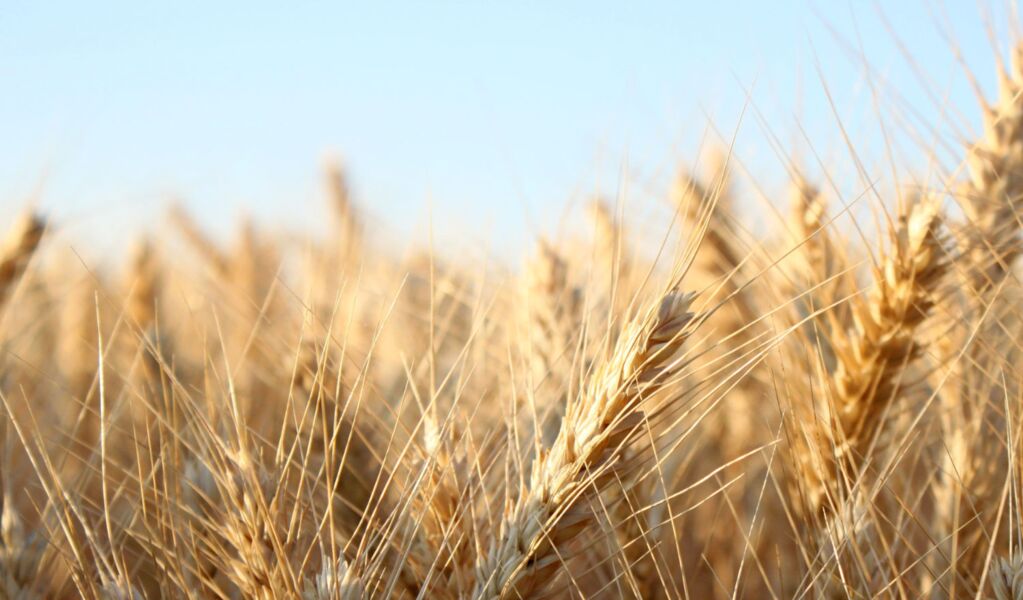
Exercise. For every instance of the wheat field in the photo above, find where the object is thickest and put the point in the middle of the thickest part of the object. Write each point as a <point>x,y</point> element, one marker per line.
<point>686,411</point>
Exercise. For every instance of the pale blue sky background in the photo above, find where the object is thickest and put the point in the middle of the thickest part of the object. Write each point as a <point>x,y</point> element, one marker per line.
<point>491,113</point>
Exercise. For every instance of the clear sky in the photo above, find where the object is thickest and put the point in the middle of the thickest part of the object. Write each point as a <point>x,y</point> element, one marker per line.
<point>489,113</point>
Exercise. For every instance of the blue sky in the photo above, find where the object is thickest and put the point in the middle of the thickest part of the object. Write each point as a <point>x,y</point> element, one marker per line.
<point>490,115</point>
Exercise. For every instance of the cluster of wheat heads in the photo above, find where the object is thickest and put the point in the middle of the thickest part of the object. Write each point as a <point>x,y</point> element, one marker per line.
<point>717,414</point>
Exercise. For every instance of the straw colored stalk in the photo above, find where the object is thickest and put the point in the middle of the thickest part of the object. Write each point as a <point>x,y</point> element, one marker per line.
<point>555,507</point>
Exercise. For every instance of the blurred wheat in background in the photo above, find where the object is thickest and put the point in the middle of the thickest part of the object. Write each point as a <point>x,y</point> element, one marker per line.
<point>700,410</point>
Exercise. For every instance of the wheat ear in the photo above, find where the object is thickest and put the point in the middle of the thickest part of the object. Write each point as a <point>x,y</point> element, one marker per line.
<point>870,357</point>
<point>586,456</point>
<point>20,555</point>
<point>18,248</point>
<point>555,316</point>
<point>816,251</point>
<point>335,581</point>
<point>181,220</point>
<point>1007,578</point>
<point>993,194</point>
<point>345,217</point>
<point>991,199</point>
